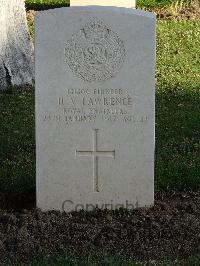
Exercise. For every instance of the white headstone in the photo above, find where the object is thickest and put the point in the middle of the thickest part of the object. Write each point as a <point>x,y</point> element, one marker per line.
<point>95,71</point>
<point>116,3</point>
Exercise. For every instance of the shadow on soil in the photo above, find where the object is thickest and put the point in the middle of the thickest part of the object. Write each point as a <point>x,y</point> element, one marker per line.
<point>14,201</point>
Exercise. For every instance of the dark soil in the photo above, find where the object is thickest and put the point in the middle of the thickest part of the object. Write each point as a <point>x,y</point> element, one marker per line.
<point>169,229</point>
<point>16,201</point>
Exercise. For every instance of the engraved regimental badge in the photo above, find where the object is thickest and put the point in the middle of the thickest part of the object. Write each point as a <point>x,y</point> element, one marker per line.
<point>95,52</point>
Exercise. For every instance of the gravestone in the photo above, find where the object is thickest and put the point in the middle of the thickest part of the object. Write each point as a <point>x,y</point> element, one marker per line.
<point>116,3</point>
<point>95,82</point>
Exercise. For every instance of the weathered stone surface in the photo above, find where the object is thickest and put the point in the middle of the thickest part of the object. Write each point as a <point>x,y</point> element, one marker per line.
<point>116,3</point>
<point>95,108</point>
<point>16,49</point>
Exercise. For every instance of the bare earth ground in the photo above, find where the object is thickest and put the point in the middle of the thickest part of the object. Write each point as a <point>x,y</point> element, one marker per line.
<point>169,229</point>
<point>178,12</point>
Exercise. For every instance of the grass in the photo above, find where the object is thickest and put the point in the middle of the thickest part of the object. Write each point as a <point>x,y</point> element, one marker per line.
<point>177,106</point>
<point>177,164</point>
<point>160,3</point>
<point>73,258</point>
<point>153,3</point>
<point>150,4</point>
<point>45,4</point>
<point>17,137</point>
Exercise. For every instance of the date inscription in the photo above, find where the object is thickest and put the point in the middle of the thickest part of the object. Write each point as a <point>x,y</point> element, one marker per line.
<point>93,105</point>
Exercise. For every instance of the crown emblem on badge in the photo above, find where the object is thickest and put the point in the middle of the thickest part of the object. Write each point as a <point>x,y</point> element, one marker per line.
<point>95,52</point>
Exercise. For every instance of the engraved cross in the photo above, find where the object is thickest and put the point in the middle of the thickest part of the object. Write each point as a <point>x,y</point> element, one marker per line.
<point>95,153</point>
